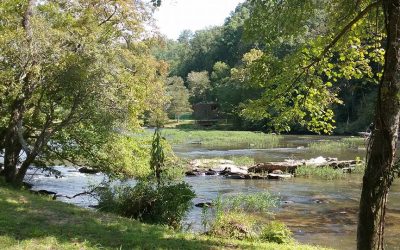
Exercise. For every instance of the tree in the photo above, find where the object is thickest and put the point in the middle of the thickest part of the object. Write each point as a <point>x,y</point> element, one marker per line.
<point>381,160</point>
<point>199,86</point>
<point>350,26</point>
<point>74,74</point>
<point>179,97</point>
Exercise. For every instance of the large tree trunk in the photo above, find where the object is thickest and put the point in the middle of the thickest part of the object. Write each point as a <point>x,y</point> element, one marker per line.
<point>12,145</point>
<point>379,172</point>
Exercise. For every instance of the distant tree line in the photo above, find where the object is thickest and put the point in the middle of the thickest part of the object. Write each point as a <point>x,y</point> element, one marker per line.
<point>234,64</point>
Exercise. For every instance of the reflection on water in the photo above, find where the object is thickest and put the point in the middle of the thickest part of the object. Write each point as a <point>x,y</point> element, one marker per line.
<point>318,212</point>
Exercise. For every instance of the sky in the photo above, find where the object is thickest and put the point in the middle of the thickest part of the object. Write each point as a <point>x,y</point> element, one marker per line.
<point>174,16</point>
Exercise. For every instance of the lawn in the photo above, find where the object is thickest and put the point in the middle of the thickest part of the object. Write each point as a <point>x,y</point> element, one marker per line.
<point>28,221</point>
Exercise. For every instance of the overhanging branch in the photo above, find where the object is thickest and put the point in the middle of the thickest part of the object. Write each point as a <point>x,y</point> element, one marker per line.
<point>336,39</point>
<point>348,27</point>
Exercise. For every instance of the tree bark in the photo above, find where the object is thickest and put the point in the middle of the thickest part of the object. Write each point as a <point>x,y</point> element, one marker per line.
<point>379,172</point>
<point>12,146</point>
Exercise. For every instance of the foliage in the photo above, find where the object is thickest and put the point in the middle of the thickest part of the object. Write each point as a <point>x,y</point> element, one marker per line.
<point>74,76</point>
<point>157,160</point>
<point>166,204</point>
<point>179,97</point>
<point>158,198</point>
<point>299,81</point>
<point>276,232</point>
<point>281,77</point>
<point>199,86</point>
<point>64,226</point>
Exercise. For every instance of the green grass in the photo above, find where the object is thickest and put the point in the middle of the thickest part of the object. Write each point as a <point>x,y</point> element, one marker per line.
<point>242,160</point>
<point>222,138</point>
<point>360,167</point>
<point>31,222</point>
<point>326,173</point>
<point>250,203</point>
<point>329,173</point>
<point>344,144</point>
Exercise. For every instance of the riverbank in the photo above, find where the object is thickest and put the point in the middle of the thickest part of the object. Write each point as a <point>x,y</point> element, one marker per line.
<point>29,221</point>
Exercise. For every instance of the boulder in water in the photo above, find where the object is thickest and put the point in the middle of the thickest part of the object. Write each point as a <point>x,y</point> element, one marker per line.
<point>204,204</point>
<point>86,170</point>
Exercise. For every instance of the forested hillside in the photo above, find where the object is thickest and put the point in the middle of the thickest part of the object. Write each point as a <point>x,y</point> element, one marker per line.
<point>244,70</point>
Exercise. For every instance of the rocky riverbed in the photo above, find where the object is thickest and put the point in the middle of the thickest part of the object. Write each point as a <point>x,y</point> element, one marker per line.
<point>266,170</point>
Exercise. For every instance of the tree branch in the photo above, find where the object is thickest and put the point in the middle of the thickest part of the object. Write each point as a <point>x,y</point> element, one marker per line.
<point>348,27</point>
<point>110,16</point>
<point>335,40</point>
<point>21,139</point>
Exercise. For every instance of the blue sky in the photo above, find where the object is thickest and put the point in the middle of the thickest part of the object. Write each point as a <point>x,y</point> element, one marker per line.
<point>176,15</point>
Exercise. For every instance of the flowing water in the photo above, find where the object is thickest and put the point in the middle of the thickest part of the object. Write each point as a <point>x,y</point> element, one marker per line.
<point>317,211</point>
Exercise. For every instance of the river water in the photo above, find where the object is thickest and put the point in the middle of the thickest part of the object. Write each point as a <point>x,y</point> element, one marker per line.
<point>317,211</point>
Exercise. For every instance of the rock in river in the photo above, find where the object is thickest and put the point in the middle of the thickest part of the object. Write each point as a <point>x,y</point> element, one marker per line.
<point>86,170</point>
<point>204,204</point>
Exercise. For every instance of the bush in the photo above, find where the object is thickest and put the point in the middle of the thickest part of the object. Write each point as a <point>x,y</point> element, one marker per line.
<point>167,204</point>
<point>276,232</point>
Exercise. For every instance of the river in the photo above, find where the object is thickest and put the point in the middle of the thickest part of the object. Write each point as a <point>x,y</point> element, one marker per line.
<point>317,211</point>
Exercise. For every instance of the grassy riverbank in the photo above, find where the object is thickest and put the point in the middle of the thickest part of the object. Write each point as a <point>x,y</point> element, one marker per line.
<point>31,222</point>
<point>344,144</point>
<point>222,138</point>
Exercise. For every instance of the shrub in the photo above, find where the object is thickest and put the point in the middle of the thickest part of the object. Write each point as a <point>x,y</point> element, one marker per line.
<point>167,204</point>
<point>276,232</point>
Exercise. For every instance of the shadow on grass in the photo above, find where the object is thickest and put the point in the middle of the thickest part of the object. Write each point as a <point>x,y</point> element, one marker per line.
<point>24,217</point>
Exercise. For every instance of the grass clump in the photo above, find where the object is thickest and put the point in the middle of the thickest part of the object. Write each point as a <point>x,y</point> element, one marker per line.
<point>276,231</point>
<point>234,225</point>
<point>360,166</point>
<point>243,160</point>
<point>217,138</point>
<point>326,173</point>
<point>242,217</point>
<point>352,143</point>
<point>250,203</point>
